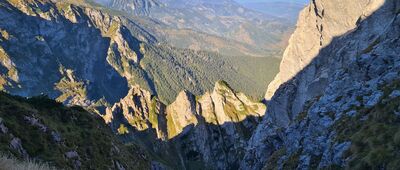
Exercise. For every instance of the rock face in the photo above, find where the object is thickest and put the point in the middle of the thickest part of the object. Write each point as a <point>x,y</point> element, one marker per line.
<point>76,51</point>
<point>341,56</point>
<point>211,130</point>
<point>83,54</point>
<point>335,102</point>
<point>140,110</point>
<point>310,37</point>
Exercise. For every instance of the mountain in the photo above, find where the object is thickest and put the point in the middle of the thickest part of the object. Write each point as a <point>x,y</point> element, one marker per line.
<point>334,104</point>
<point>288,10</point>
<point>79,54</point>
<point>231,28</point>
<point>335,101</point>
<point>137,7</point>
<point>42,130</point>
<point>208,131</point>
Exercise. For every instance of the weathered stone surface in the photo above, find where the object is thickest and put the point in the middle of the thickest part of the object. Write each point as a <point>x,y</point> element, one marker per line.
<point>76,54</point>
<point>182,113</point>
<point>56,137</point>
<point>318,24</point>
<point>3,127</point>
<point>71,154</point>
<point>395,94</point>
<point>340,55</point>
<point>213,128</point>
<point>16,144</point>
<point>36,123</point>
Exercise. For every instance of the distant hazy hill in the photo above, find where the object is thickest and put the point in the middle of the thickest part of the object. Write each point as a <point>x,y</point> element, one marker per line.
<point>283,9</point>
<point>224,26</point>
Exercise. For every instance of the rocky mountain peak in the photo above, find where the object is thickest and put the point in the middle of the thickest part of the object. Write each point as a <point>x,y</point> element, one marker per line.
<point>194,121</point>
<point>222,87</point>
<point>334,103</point>
<point>332,78</point>
<point>318,24</point>
<point>181,113</point>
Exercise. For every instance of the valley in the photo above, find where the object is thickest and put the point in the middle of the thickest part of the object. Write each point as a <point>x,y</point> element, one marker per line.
<point>126,54</point>
<point>199,84</point>
<point>224,26</point>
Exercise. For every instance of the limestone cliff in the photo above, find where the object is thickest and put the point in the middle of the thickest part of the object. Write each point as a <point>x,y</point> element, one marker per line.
<point>340,66</point>
<point>43,40</point>
<point>139,109</point>
<point>318,24</point>
<point>211,129</point>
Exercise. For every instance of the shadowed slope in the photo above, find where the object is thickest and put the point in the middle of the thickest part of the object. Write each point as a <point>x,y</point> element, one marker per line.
<point>69,138</point>
<point>303,127</point>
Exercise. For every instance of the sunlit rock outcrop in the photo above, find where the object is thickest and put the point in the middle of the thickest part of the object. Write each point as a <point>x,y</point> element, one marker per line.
<point>213,127</point>
<point>318,24</point>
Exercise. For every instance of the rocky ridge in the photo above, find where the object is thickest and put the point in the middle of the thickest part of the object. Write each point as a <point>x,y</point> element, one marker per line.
<point>81,54</point>
<point>211,129</point>
<point>341,64</point>
<point>221,26</point>
<point>334,104</point>
<point>138,7</point>
<point>49,39</point>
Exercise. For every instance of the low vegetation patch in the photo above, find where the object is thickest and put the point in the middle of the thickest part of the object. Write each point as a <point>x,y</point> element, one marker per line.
<point>374,133</point>
<point>9,163</point>
<point>49,132</point>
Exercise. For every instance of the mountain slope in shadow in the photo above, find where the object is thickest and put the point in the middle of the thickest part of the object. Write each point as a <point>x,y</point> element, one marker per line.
<point>43,130</point>
<point>328,113</point>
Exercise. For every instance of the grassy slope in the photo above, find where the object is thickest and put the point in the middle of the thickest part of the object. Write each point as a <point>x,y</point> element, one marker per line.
<point>80,131</point>
<point>11,163</point>
<point>374,133</point>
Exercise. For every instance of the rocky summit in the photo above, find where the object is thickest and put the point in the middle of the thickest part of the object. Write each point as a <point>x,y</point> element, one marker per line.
<point>332,94</point>
<point>207,131</point>
<point>143,103</point>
